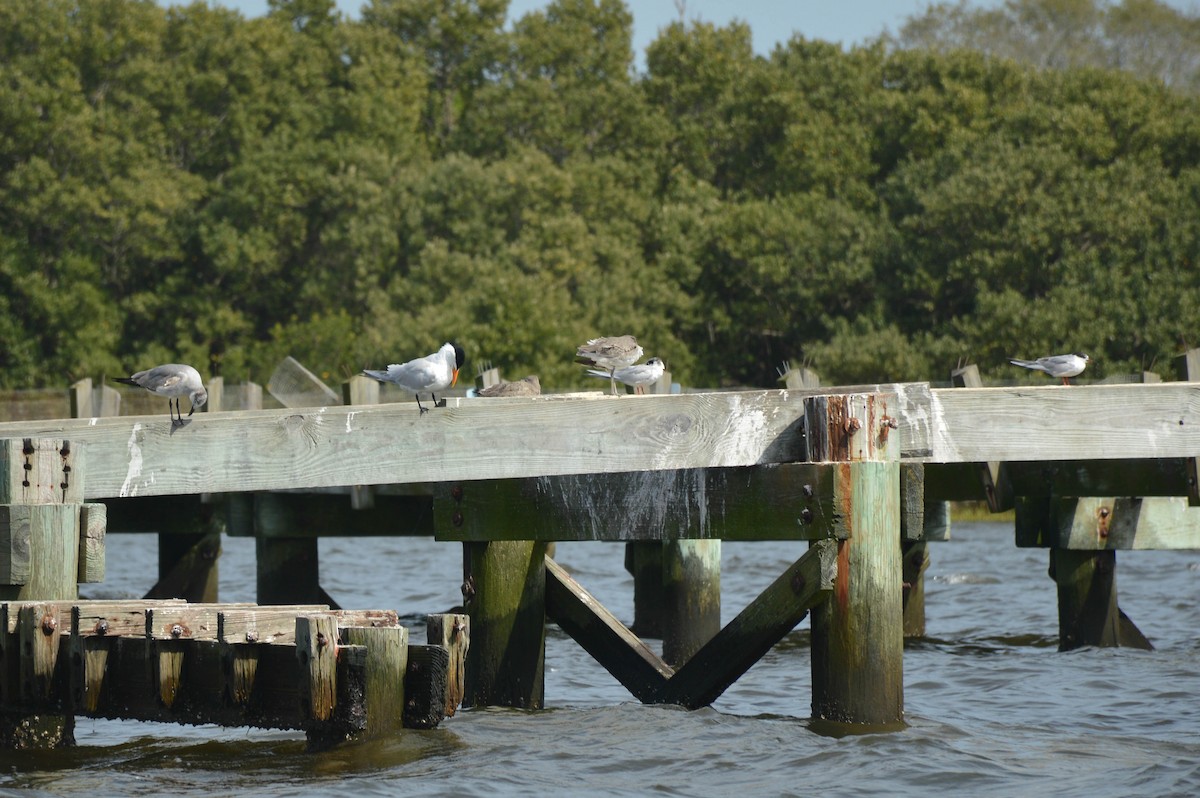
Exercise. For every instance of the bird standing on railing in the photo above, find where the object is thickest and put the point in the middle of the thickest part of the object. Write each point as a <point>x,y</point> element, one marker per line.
<point>431,373</point>
<point>173,381</point>
<point>636,377</point>
<point>1063,366</point>
<point>610,354</point>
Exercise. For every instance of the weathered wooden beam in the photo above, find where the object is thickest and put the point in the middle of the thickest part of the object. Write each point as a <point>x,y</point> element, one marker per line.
<point>631,662</point>
<point>93,528</point>
<point>1094,524</point>
<point>644,562</point>
<point>316,649</point>
<point>505,598</point>
<point>339,446</point>
<point>188,567</point>
<point>764,622</point>
<point>772,502</point>
<point>320,515</point>
<point>1094,422</point>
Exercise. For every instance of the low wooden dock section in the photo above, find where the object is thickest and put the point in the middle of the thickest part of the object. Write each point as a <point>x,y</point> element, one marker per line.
<point>334,674</point>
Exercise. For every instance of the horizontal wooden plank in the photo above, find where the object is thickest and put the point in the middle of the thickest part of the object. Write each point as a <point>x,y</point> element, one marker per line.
<point>393,443</point>
<point>775,502</point>
<point>1095,422</point>
<point>1095,524</point>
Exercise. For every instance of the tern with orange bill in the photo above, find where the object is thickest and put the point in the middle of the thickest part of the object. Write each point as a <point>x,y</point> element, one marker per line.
<point>431,373</point>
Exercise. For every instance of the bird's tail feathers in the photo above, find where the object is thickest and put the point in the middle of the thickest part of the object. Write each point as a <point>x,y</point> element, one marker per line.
<point>125,380</point>
<point>599,373</point>
<point>1029,364</point>
<point>379,375</point>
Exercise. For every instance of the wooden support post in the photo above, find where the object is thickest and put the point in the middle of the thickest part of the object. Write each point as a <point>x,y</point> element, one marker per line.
<point>691,578</point>
<point>915,558</point>
<point>385,667</point>
<point>505,598</point>
<point>188,566</point>
<point>858,636</point>
<point>41,494</point>
<point>361,390</point>
<point>644,561</point>
<point>316,649</point>
<point>452,631</point>
<point>1187,367</point>
<point>992,476</point>
<point>287,570</point>
<point>1087,598</point>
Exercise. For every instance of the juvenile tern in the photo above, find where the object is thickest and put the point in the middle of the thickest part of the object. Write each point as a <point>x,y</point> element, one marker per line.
<point>529,386</point>
<point>172,381</point>
<point>636,377</point>
<point>431,373</point>
<point>1063,366</point>
<point>610,354</point>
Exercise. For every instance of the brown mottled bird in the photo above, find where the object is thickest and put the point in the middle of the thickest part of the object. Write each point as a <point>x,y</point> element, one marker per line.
<point>610,354</point>
<point>528,386</point>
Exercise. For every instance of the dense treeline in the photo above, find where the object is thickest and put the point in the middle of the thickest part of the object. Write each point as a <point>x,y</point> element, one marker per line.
<point>185,184</point>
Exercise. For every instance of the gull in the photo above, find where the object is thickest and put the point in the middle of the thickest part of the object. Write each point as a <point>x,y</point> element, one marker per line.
<point>1064,366</point>
<point>431,373</point>
<point>635,376</point>
<point>610,354</point>
<point>172,381</point>
<point>529,386</point>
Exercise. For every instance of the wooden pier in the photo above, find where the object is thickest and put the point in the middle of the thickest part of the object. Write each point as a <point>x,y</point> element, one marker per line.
<point>859,472</point>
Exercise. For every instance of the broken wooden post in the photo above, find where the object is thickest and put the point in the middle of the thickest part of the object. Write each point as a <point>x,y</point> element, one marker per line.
<point>504,595</point>
<point>386,662</point>
<point>452,631</point>
<point>858,635</point>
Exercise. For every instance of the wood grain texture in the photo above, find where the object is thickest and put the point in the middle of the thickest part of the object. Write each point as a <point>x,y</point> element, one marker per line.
<point>337,446</point>
<point>1095,422</point>
<point>1096,524</point>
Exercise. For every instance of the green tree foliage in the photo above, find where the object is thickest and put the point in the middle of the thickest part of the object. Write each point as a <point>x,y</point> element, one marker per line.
<point>187,184</point>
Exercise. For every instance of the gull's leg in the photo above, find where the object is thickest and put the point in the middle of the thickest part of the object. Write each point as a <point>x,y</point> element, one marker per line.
<point>424,409</point>
<point>612,379</point>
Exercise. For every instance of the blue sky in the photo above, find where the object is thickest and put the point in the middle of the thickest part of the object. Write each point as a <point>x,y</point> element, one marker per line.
<point>771,21</point>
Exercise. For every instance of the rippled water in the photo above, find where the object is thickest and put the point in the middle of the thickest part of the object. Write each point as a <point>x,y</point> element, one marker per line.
<point>993,709</point>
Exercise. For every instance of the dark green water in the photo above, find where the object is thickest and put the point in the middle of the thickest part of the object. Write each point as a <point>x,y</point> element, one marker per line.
<point>993,709</point>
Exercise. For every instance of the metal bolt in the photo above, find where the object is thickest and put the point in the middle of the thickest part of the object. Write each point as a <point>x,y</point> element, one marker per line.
<point>806,516</point>
<point>1104,512</point>
<point>251,636</point>
<point>891,423</point>
<point>49,624</point>
<point>456,493</point>
<point>457,518</point>
<point>101,627</point>
<point>808,491</point>
<point>853,425</point>
<point>322,641</point>
<point>177,630</point>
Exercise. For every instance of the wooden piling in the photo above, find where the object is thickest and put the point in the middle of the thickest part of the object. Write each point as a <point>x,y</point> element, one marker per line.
<point>361,390</point>
<point>644,562</point>
<point>385,667</point>
<point>452,631</point>
<point>858,636</point>
<point>287,564</point>
<point>504,596</point>
<point>691,578</point>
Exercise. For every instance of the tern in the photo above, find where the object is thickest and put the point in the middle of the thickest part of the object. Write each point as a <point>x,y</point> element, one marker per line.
<point>636,377</point>
<point>610,354</point>
<point>431,373</point>
<point>529,386</point>
<point>1062,366</point>
<point>173,381</point>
